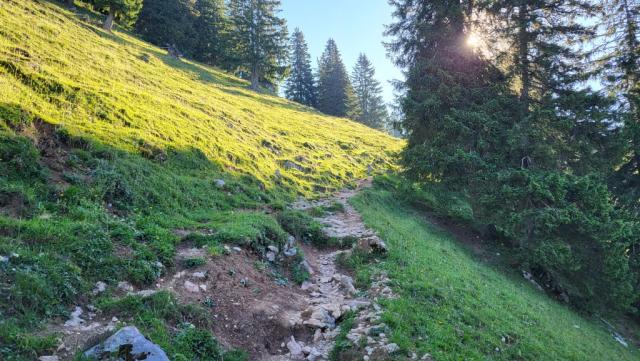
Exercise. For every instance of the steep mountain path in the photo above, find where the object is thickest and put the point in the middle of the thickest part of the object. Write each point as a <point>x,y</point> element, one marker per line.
<point>270,320</point>
<point>331,294</point>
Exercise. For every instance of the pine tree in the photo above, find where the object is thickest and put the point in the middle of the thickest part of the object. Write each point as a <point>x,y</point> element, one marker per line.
<point>620,67</point>
<point>168,23</point>
<point>124,10</point>
<point>373,111</point>
<point>259,41</point>
<point>300,86</point>
<point>335,92</point>
<point>211,27</point>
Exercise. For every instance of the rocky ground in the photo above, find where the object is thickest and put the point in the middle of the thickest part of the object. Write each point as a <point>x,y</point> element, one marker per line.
<point>271,320</point>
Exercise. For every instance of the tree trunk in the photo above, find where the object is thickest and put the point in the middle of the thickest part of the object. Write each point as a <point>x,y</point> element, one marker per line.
<point>523,55</point>
<point>255,78</point>
<point>108,23</point>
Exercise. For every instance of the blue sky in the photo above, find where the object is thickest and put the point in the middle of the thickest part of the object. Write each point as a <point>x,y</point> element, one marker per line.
<point>355,25</point>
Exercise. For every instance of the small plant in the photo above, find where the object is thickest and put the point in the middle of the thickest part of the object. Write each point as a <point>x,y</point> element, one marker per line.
<point>299,274</point>
<point>261,265</point>
<point>303,227</point>
<point>194,262</point>
<point>216,250</point>
<point>209,302</point>
<point>334,207</point>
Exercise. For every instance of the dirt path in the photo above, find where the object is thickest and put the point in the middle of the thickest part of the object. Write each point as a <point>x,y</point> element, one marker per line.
<point>274,321</point>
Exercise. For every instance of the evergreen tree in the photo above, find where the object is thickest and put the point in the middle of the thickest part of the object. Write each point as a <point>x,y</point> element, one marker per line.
<point>335,92</point>
<point>523,159</point>
<point>259,41</point>
<point>620,67</point>
<point>211,28</point>
<point>373,111</point>
<point>300,86</point>
<point>125,11</point>
<point>168,22</point>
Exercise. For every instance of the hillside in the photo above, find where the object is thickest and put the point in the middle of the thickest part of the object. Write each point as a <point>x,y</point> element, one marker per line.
<point>113,154</point>
<point>124,93</point>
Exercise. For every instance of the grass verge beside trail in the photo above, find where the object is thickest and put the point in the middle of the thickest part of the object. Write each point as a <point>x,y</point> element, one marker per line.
<point>457,308</point>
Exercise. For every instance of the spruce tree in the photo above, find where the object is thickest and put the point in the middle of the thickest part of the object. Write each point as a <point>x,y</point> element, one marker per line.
<point>620,69</point>
<point>124,10</point>
<point>259,39</point>
<point>168,23</point>
<point>373,111</point>
<point>300,86</point>
<point>211,28</point>
<point>335,92</point>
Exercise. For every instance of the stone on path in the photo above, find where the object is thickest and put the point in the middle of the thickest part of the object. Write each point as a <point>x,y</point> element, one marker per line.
<point>130,344</point>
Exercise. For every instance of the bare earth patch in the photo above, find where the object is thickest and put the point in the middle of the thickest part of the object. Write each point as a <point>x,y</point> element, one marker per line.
<point>253,310</point>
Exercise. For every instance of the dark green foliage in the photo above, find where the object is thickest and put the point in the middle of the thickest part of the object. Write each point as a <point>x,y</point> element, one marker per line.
<point>169,22</point>
<point>19,158</point>
<point>300,86</point>
<point>566,230</point>
<point>529,164</point>
<point>373,111</point>
<point>211,28</point>
<point>335,92</point>
<point>259,41</point>
<point>196,344</point>
<point>194,262</point>
<point>126,11</point>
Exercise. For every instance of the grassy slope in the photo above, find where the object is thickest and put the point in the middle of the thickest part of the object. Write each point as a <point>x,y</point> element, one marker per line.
<point>457,308</point>
<point>98,84</point>
<point>107,146</point>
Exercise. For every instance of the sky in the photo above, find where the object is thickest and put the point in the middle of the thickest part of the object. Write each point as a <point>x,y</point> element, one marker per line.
<point>357,26</point>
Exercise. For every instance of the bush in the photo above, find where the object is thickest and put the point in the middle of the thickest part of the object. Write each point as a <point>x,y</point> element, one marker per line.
<point>19,158</point>
<point>566,230</point>
<point>303,227</point>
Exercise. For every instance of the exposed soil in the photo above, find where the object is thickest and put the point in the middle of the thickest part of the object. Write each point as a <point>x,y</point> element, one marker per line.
<point>255,310</point>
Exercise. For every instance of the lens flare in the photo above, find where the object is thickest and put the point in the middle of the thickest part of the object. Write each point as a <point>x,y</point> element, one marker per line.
<point>474,40</point>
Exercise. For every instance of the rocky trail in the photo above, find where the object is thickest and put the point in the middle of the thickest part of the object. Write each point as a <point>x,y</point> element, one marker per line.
<point>270,320</point>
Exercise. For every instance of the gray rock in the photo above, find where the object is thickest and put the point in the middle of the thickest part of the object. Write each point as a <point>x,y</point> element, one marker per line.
<point>391,348</point>
<point>290,252</point>
<point>125,286</point>
<point>130,344</point>
<point>75,320</point>
<point>372,244</point>
<point>191,287</point>
<point>48,358</point>
<point>295,349</point>
<point>271,256</point>
<point>220,183</point>
<point>99,288</point>
<point>273,249</point>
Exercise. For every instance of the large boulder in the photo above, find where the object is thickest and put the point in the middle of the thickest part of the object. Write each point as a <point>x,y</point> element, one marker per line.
<point>127,344</point>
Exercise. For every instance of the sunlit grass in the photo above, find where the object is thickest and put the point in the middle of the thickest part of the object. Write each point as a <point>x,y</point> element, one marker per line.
<point>124,92</point>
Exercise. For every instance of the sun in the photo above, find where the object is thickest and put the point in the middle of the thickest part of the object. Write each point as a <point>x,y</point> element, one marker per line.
<point>474,40</point>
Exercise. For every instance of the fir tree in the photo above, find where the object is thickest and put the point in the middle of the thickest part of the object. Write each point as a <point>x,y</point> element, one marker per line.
<point>373,111</point>
<point>300,86</point>
<point>259,41</point>
<point>211,28</point>
<point>620,69</point>
<point>124,10</point>
<point>168,23</point>
<point>335,92</point>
